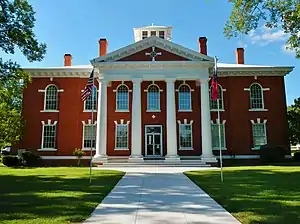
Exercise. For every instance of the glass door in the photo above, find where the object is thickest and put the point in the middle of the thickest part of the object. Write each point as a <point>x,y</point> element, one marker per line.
<point>153,140</point>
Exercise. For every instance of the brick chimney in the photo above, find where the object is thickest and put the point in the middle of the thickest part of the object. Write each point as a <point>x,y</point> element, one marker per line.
<point>240,56</point>
<point>68,60</point>
<point>103,47</point>
<point>202,45</point>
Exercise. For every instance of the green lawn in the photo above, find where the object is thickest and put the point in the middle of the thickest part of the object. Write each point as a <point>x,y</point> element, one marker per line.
<point>52,195</point>
<point>263,194</point>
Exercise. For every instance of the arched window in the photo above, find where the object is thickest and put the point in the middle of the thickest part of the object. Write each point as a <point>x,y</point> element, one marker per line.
<point>122,98</point>
<point>184,97</point>
<point>153,98</point>
<point>91,102</point>
<point>214,103</point>
<point>256,96</point>
<point>51,98</point>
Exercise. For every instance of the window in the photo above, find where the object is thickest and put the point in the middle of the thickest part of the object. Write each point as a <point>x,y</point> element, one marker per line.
<point>153,33</point>
<point>213,103</point>
<point>185,136</point>
<point>144,34</point>
<point>51,98</point>
<point>89,103</point>
<point>121,136</point>
<point>153,98</point>
<point>89,136</point>
<point>215,136</point>
<point>259,134</point>
<point>256,97</point>
<point>162,34</point>
<point>122,98</point>
<point>49,136</point>
<point>184,98</point>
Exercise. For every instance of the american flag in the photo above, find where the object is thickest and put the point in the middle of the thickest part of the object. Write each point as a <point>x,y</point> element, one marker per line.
<point>214,84</point>
<point>88,88</point>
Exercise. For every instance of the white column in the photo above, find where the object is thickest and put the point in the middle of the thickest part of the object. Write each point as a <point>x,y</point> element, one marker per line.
<point>101,134</point>
<point>136,123</point>
<point>207,154</point>
<point>171,123</point>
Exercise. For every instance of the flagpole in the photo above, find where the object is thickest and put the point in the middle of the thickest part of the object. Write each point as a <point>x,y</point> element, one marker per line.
<point>219,128</point>
<point>93,127</point>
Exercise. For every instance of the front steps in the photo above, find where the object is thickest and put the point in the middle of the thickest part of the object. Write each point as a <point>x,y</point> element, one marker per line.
<point>153,162</point>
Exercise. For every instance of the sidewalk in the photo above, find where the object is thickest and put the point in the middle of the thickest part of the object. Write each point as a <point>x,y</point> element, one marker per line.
<point>150,196</point>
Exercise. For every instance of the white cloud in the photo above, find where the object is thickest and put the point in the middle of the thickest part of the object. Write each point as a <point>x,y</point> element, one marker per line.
<point>284,49</point>
<point>264,36</point>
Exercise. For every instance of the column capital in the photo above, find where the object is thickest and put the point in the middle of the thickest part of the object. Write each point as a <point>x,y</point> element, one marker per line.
<point>102,80</point>
<point>170,80</point>
<point>136,80</point>
<point>204,80</point>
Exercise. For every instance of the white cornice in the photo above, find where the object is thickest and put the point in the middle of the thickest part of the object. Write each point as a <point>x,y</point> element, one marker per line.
<point>150,42</point>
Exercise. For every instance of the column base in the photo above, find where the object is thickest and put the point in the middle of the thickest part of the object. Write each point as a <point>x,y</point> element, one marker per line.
<point>100,159</point>
<point>136,159</point>
<point>172,159</point>
<point>209,159</point>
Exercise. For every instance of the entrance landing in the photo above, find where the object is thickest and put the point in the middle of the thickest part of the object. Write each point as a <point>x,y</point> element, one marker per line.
<point>158,195</point>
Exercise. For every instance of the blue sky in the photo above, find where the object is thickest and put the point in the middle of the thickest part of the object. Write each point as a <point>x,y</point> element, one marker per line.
<point>71,26</point>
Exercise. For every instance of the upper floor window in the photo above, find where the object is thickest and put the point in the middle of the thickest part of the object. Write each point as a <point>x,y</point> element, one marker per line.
<point>214,103</point>
<point>153,98</point>
<point>51,98</point>
<point>144,34</point>
<point>162,34</point>
<point>91,102</point>
<point>256,96</point>
<point>184,98</point>
<point>153,33</point>
<point>122,98</point>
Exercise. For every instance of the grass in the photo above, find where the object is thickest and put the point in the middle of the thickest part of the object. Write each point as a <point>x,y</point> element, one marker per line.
<point>52,195</point>
<point>263,194</point>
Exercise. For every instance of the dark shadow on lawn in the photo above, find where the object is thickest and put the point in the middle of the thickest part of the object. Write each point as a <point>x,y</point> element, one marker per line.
<point>262,192</point>
<point>38,196</point>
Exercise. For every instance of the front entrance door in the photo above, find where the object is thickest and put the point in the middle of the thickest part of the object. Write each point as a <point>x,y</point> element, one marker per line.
<point>153,140</point>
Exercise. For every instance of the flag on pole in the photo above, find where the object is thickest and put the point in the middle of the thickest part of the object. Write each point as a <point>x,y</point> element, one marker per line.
<point>214,84</point>
<point>88,88</point>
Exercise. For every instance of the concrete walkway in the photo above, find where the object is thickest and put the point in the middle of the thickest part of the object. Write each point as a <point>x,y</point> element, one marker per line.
<point>158,196</point>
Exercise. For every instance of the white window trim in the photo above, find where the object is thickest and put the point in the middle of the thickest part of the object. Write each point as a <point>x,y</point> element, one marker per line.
<point>191,90</point>
<point>84,110</point>
<point>192,142</point>
<point>121,123</point>
<point>159,91</point>
<point>262,94</point>
<point>83,125</point>
<point>223,123</point>
<point>116,91</point>
<point>259,121</point>
<point>223,106</point>
<point>44,91</point>
<point>43,125</point>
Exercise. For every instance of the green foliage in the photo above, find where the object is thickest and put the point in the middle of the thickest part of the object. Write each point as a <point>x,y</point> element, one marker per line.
<point>270,154</point>
<point>296,156</point>
<point>10,161</point>
<point>30,159</point>
<point>293,115</point>
<point>247,15</point>
<point>16,32</point>
<point>79,153</point>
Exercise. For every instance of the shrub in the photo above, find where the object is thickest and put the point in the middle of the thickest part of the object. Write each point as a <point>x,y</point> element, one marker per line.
<point>270,153</point>
<point>10,160</point>
<point>297,156</point>
<point>78,153</point>
<point>30,159</point>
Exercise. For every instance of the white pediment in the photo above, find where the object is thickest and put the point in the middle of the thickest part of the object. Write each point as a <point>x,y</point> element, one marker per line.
<point>152,41</point>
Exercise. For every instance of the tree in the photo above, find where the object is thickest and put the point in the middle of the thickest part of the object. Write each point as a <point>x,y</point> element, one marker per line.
<point>79,153</point>
<point>16,32</point>
<point>248,14</point>
<point>294,122</point>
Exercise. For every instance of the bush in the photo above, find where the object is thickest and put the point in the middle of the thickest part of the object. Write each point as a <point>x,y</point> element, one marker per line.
<point>78,153</point>
<point>297,156</point>
<point>30,159</point>
<point>10,161</point>
<point>270,153</point>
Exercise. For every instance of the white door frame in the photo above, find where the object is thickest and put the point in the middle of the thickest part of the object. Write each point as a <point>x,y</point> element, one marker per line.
<point>161,139</point>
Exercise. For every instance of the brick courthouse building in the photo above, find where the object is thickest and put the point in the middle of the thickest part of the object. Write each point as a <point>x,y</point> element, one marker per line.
<point>153,101</point>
